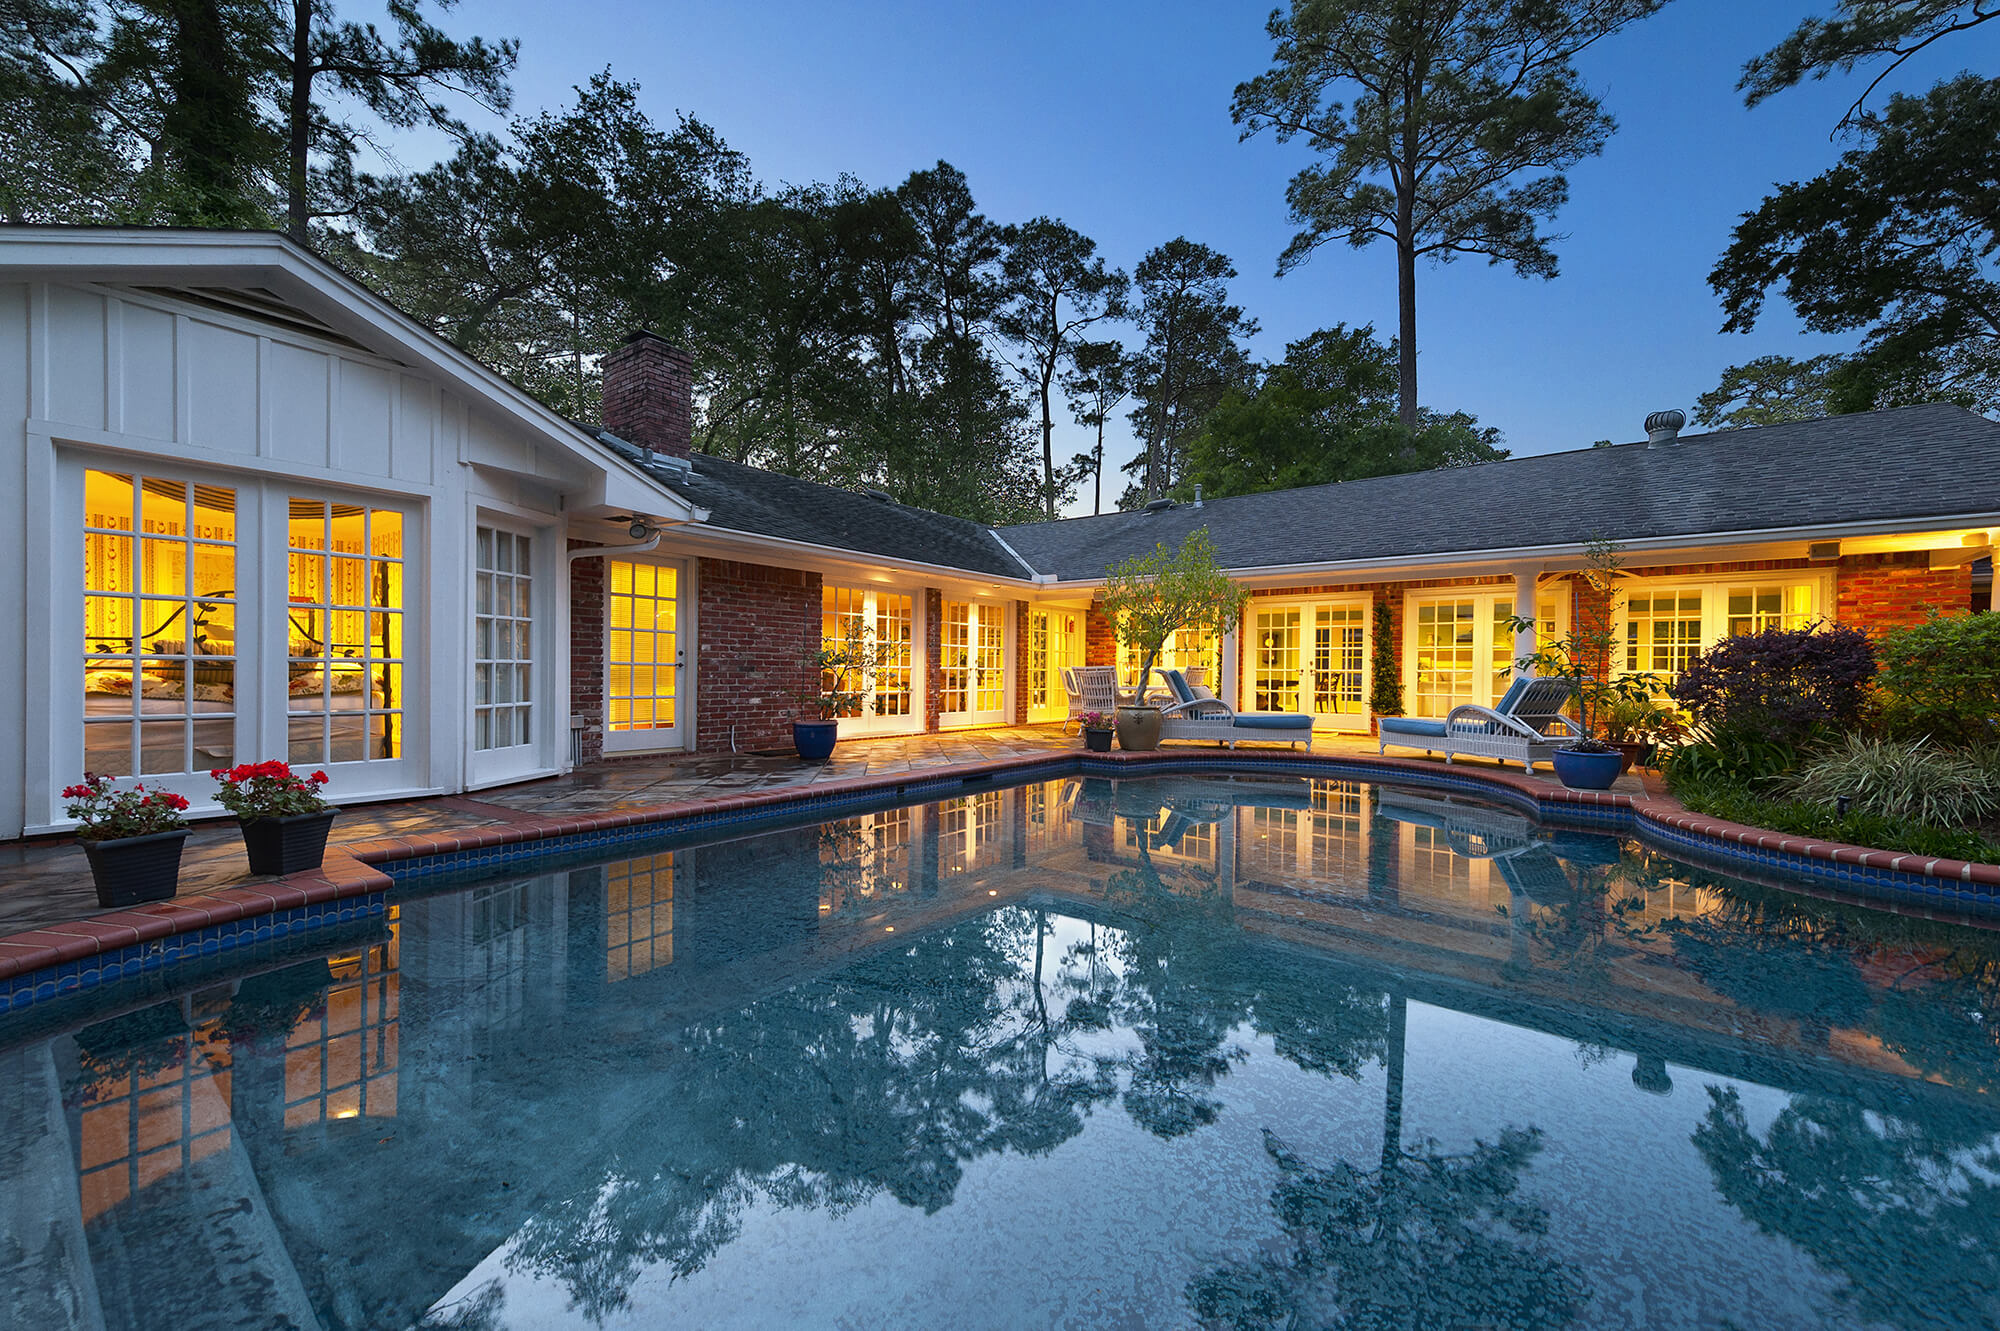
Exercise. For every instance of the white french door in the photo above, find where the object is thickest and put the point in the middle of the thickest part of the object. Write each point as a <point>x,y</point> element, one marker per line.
<point>881,623</point>
<point>645,657</point>
<point>1055,643</point>
<point>973,646</point>
<point>1311,657</point>
<point>507,720</point>
<point>1459,648</point>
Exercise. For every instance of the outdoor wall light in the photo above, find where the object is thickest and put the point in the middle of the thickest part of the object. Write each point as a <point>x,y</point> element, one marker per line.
<point>639,531</point>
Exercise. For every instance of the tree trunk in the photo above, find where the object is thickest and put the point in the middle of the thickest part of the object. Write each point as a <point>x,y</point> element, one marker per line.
<point>1097,497</point>
<point>298,207</point>
<point>1392,1091</point>
<point>1048,445</point>
<point>1406,320</point>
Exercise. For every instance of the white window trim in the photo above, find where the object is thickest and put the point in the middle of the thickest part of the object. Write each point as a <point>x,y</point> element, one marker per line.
<point>680,737</point>
<point>1246,685</point>
<point>975,718</point>
<point>549,627</point>
<point>1714,589</point>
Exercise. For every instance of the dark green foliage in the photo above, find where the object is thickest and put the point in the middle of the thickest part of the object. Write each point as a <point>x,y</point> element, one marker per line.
<point>1192,356</point>
<point>1769,390</point>
<point>1444,130</point>
<point>1941,678</point>
<point>1385,691</point>
<point>1782,686</point>
<point>1896,241</point>
<point>1739,798</point>
<point>1859,32</point>
<point>1327,412</point>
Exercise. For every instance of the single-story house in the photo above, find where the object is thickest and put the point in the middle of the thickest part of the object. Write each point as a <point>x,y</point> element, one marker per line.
<point>309,528</point>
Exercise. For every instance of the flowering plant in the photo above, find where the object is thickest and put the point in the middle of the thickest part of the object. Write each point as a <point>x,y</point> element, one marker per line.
<point>269,790</point>
<point>1095,720</point>
<point>107,813</point>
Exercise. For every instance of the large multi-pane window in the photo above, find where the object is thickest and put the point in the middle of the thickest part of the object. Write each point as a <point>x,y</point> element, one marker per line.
<point>159,624</point>
<point>1666,623</point>
<point>1195,651</point>
<point>345,631</point>
<point>642,678</point>
<point>1462,647</point>
<point>1444,655</point>
<point>883,625</point>
<point>503,646</point>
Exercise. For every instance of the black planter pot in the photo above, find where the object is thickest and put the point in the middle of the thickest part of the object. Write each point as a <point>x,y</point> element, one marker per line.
<point>815,739</point>
<point>129,870</point>
<point>289,844</point>
<point>1588,771</point>
<point>1097,741</point>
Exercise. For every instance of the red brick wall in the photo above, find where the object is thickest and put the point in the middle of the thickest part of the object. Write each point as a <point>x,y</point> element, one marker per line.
<point>1878,592</point>
<point>586,648</point>
<point>933,655</point>
<point>648,395</point>
<point>1020,663</point>
<point>1100,643</point>
<point>755,623</point>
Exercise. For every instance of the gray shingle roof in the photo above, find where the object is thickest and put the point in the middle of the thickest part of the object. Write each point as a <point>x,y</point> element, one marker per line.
<point>1902,463</point>
<point>768,503</point>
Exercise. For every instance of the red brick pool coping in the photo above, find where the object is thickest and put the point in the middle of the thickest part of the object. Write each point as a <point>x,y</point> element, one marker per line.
<point>349,870</point>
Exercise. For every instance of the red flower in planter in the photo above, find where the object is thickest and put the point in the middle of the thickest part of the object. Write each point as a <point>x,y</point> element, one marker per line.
<point>269,790</point>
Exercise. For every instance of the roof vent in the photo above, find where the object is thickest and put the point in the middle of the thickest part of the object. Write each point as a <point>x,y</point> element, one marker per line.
<point>1664,425</point>
<point>1158,506</point>
<point>882,495</point>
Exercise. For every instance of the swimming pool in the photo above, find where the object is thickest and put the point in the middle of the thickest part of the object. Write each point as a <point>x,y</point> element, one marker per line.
<point>1160,1052</point>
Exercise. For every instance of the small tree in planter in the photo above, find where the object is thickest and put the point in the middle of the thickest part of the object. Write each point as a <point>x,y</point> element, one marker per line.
<point>834,684</point>
<point>1582,658</point>
<point>1385,688</point>
<point>285,819</point>
<point>1150,598</point>
<point>132,838</point>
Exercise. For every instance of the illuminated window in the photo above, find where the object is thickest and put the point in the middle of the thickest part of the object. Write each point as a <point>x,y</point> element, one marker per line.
<point>159,625</point>
<point>340,1060</point>
<point>1663,629</point>
<point>1276,669</point>
<point>1339,831</point>
<point>344,631</point>
<point>1754,609</point>
<point>642,663</point>
<point>1444,655</point>
<point>639,916</point>
<point>1196,652</point>
<point>1038,660</point>
<point>970,835</point>
<point>503,647</point>
<point>1337,662</point>
<point>880,622</point>
<point>973,642</point>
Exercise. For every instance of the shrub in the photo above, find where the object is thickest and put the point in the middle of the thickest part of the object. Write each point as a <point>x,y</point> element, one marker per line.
<point>1740,758</point>
<point>1738,804</point>
<point>1788,686</point>
<point>1899,779</point>
<point>1941,678</point>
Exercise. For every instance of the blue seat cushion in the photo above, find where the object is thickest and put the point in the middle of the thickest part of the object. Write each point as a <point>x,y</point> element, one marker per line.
<point>1512,697</point>
<point>1413,725</point>
<point>1177,681</point>
<point>1273,721</point>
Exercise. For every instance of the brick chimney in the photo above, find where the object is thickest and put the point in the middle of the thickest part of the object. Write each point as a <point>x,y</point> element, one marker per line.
<point>648,386</point>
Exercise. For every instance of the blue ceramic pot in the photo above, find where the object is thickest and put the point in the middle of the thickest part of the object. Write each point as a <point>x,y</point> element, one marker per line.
<point>1588,771</point>
<point>815,739</point>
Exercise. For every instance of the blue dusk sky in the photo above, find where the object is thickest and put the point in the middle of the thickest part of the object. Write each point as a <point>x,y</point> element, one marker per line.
<point>1114,117</point>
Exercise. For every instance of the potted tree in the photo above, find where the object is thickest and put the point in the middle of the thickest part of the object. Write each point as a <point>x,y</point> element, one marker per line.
<point>1097,730</point>
<point>1150,598</point>
<point>1583,658</point>
<point>285,819</point>
<point>834,684</point>
<point>132,838</point>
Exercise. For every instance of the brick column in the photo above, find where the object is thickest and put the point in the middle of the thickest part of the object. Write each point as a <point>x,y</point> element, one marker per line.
<point>1100,643</point>
<point>586,648</point>
<point>1021,663</point>
<point>933,655</point>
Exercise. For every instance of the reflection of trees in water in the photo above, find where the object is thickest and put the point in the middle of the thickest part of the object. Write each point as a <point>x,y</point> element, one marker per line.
<point>1428,1240</point>
<point>1780,955</point>
<point>1905,1209</point>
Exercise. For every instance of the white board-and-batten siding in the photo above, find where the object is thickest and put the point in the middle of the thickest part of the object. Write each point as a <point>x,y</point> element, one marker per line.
<point>104,372</point>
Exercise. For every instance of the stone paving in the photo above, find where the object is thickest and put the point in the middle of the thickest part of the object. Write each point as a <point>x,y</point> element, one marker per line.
<point>47,881</point>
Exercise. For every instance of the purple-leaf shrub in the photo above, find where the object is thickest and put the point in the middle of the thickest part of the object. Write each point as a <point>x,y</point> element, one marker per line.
<point>1788,685</point>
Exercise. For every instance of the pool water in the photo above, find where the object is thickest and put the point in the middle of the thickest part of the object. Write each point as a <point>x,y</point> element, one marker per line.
<point>1081,1053</point>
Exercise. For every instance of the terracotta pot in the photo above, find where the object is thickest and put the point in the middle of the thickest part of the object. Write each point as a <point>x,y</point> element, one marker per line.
<point>1139,728</point>
<point>289,844</point>
<point>1632,753</point>
<point>132,869</point>
<point>1097,741</point>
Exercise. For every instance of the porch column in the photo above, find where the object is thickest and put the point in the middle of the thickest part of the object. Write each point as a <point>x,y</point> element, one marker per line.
<point>1525,596</point>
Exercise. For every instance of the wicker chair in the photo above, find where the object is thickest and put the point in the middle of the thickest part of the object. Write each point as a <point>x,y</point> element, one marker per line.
<point>1526,727</point>
<point>1191,716</point>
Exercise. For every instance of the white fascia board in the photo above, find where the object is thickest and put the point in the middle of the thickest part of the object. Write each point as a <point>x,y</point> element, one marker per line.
<point>178,257</point>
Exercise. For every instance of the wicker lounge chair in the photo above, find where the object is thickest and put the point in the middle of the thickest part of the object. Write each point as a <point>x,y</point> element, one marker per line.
<point>1191,716</point>
<point>1526,727</point>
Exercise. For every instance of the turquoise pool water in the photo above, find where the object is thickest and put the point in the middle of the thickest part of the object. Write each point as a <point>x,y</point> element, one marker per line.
<point>1171,1052</point>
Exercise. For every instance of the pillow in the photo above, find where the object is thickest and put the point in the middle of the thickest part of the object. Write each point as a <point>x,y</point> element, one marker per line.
<point>1202,693</point>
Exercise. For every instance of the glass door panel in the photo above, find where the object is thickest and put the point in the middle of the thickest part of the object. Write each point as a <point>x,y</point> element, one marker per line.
<point>882,624</point>
<point>1275,673</point>
<point>503,630</point>
<point>344,632</point>
<point>1444,655</point>
<point>973,642</point>
<point>1336,668</point>
<point>643,656</point>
